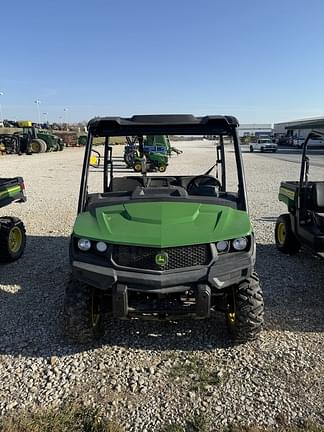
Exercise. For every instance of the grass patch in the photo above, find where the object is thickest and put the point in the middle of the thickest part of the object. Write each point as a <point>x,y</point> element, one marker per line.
<point>194,372</point>
<point>66,419</point>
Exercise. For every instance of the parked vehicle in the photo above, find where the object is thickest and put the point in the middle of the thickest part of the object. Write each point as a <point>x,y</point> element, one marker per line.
<point>303,225</point>
<point>163,247</point>
<point>263,145</point>
<point>12,230</point>
<point>35,140</point>
<point>312,142</point>
<point>153,150</point>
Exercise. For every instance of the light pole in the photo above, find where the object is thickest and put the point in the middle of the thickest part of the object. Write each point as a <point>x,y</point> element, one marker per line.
<point>65,114</point>
<point>45,114</point>
<point>38,102</point>
<point>1,112</point>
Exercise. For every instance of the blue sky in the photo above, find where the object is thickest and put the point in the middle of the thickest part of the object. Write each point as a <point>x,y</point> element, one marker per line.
<point>260,60</point>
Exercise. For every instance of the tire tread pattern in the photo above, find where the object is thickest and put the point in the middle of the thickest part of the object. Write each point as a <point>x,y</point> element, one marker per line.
<point>249,310</point>
<point>77,313</point>
<point>6,225</point>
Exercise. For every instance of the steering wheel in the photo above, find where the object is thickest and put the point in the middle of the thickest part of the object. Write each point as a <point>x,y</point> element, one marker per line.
<point>202,180</point>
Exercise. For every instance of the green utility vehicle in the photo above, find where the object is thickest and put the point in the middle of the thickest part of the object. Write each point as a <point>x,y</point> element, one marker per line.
<point>163,247</point>
<point>33,140</point>
<point>12,230</point>
<point>152,149</point>
<point>304,224</point>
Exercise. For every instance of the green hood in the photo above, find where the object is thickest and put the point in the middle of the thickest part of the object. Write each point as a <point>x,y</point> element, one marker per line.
<point>162,224</point>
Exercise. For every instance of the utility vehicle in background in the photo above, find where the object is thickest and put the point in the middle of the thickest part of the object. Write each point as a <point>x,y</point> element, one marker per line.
<point>303,225</point>
<point>155,149</point>
<point>12,230</point>
<point>163,247</point>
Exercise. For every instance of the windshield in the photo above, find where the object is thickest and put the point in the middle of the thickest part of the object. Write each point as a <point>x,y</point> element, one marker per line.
<point>178,158</point>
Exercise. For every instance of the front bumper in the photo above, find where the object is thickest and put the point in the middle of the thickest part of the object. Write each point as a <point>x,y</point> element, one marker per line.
<point>226,270</point>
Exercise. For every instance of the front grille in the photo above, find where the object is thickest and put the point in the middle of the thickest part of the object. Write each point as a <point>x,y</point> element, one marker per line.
<point>177,257</point>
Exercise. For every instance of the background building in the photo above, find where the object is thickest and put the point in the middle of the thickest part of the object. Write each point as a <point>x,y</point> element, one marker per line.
<point>298,128</point>
<point>254,129</point>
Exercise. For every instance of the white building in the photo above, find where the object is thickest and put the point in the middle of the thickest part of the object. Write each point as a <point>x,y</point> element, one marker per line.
<point>298,128</point>
<point>254,129</point>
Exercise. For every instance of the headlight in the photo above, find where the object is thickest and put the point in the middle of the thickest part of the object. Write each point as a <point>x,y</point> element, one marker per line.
<point>240,244</point>
<point>84,244</point>
<point>222,246</point>
<point>101,246</point>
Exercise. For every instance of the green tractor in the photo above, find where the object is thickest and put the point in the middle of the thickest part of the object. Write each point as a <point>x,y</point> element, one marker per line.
<point>12,230</point>
<point>152,150</point>
<point>163,247</point>
<point>33,140</point>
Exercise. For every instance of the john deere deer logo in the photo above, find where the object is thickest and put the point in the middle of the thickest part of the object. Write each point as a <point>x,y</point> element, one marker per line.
<point>161,259</point>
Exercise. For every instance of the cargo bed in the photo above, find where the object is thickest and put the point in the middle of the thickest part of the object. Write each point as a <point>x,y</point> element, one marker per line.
<point>11,190</point>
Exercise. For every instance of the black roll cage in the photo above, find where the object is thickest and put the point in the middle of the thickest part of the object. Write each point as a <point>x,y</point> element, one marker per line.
<point>304,171</point>
<point>160,125</point>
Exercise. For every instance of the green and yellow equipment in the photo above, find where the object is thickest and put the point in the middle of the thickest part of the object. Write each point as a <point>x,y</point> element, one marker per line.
<point>303,225</point>
<point>12,230</point>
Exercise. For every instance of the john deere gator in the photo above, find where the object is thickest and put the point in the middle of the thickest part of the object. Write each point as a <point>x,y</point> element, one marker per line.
<point>12,230</point>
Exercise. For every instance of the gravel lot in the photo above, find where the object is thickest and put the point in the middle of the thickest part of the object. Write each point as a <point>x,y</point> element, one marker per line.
<point>146,374</point>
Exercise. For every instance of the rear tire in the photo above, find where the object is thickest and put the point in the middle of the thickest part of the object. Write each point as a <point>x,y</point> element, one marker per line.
<point>38,146</point>
<point>12,239</point>
<point>262,149</point>
<point>244,317</point>
<point>83,317</point>
<point>286,240</point>
<point>251,149</point>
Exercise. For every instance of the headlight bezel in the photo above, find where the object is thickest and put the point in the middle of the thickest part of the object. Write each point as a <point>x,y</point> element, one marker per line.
<point>244,245</point>
<point>85,241</point>
<point>231,248</point>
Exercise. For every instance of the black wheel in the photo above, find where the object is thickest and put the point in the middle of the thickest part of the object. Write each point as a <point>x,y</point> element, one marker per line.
<point>286,241</point>
<point>129,158</point>
<point>274,151</point>
<point>12,239</point>
<point>244,317</point>
<point>162,168</point>
<point>251,149</point>
<point>83,318</point>
<point>262,149</point>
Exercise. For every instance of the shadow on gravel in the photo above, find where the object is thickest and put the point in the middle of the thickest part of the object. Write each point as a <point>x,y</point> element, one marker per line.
<point>293,289</point>
<point>32,289</point>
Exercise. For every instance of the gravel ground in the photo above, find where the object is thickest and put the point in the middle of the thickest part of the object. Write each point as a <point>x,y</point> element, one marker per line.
<point>146,374</point>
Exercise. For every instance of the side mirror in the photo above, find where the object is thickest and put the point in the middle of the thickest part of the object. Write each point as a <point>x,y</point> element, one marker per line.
<point>94,160</point>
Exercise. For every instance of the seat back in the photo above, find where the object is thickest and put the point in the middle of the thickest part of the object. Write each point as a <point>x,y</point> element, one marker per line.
<point>318,197</point>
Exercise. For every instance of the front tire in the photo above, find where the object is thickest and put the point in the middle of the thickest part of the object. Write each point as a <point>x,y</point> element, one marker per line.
<point>251,149</point>
<point>137,167</point>
<point>286,240</point>
<point>83,317</point>
<point>12,239</point>
<point>244,317</point>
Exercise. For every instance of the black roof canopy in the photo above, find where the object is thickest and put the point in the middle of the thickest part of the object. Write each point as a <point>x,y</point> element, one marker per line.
<point>176,124</point>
